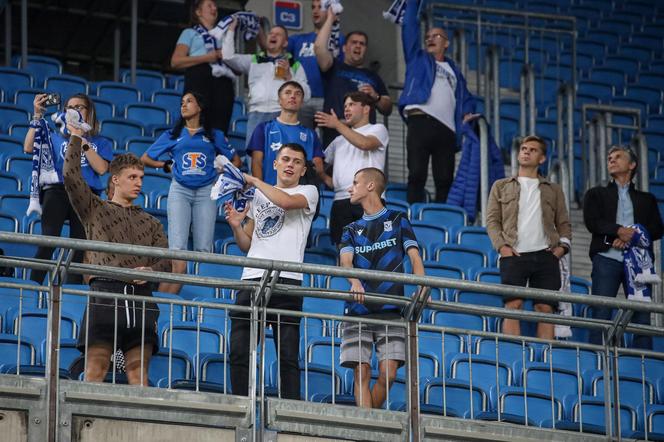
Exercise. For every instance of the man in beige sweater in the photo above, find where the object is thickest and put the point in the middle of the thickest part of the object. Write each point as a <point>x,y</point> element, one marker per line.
<point>526,219</point>
<point>119,221</point>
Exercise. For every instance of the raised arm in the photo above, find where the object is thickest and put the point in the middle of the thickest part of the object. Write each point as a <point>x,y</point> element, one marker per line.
<point>323,54</point>
<point>182,60</point>
<point>277,196</point>
<point>410,32</point>
<point>238,62</point>
<point>82,198</point>
<point>242,234</point>
<point>38,113</point>
<point>362,142</point>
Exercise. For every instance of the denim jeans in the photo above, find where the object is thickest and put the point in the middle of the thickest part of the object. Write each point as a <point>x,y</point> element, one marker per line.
<point>254,119</point>
<point>607,276</point>
<point>191,208</point>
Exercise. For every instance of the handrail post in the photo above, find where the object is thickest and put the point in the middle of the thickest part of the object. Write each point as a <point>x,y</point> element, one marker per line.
<point>601,148</point>
<point>8,34</point>
<point>484,167</point>
<point>527,101</point>
<point>642,149</point>
<point>523,130</point>
<point>570,140</point>
<point>495,67</point>
<point>24,33</point>
<point>590,164</point>
<point>514,155</point>
<point>479,51</point>
<point>134,39</point>
<point>461,45</point>
<point>488,87</point>
<point>532,112</point>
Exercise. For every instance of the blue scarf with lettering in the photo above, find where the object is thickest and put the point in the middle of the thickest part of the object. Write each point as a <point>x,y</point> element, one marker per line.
<point>231,182</point>
<point>639,266</point>
<point>334,42</point>
<point>396,12</point>
<point>43,166</point>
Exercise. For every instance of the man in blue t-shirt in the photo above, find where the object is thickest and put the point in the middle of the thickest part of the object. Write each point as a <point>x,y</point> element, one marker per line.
<point>301,46</point>
<point>349,75</point>
<point>380,240</point>
<point>269,136</point>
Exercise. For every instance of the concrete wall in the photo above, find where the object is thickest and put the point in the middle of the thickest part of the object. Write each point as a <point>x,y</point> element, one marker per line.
<point>365,15</point>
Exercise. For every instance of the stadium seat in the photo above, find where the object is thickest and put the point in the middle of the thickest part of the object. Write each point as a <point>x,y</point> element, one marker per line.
<point>462,257</point>
<point>66,86</point>
<point>396,191</point>
<point>506,352</point>
<point>146,81</point>
<point>11,183</point>
<point>476,298</point>
<point>41,67</point>
<point>480,371</point>
<point>24,98</point>
<point>68,353</point>
<point>104,108</point>
<point>34,228</point>
<point>574,359</point>
<point>119,94</point>
<point>633,391</point>
<point>13,79</point>
<point>149,114</point>
<point>18,131</point>
<point>320,256</point>
<point>459,320</point>
<point>192,339</point>
<point>559,382</point>
<point>441,214</point>
<point>398,205</point>
<point>138,145</point>
<point>168,310</point>
<point>590,414</point>
<point>11,351</point>
<point>33,323</point>
<point>10,114</point>
<point>120,129</point>
<point>456,395</point>
<point>170,100</point>
<point>523,407</point>
<point>430,234</point>
<point>14,204</point>
<point>179,362</point>
<point>218,270</point>
<point>635,366</point>
<point>216,368</point>
<point>239,125</point>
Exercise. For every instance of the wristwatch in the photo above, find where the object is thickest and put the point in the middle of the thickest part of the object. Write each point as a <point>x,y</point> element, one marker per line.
<point>85,147</point>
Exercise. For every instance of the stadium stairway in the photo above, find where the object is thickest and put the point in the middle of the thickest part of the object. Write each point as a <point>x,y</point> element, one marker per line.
<point>581,265</point>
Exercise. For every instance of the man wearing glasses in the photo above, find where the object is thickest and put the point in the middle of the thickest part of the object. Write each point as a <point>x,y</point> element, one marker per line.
<point>528,224</point>
<point>607,211</point>
<point>435,103</point>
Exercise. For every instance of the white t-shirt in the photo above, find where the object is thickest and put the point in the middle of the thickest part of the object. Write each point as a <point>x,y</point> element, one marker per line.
<point>278,233</point>
<point>530,229</point>
<point>442,101</point>
<point>347,159</point>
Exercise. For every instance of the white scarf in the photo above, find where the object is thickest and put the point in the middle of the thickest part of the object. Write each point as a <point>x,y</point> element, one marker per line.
<point>564,308</point>
<point>396,12</point>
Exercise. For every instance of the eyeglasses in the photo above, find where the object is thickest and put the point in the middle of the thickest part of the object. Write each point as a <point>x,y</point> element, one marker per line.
<point>78,107</point>
<point>433,36</point>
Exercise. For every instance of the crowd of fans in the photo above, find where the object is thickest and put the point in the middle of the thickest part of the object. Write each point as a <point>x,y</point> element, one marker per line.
<point>300,86</point>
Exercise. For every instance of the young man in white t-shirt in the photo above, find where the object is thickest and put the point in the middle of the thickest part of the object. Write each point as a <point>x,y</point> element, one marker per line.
<point>275,225</point>
<point>359,145</point>
<point>529,226</point>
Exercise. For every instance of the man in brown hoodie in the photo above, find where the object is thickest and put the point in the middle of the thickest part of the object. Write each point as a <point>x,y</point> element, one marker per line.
<point>116,220</point>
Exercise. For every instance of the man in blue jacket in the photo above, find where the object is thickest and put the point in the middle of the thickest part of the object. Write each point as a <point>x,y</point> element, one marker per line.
<point>435,102</point>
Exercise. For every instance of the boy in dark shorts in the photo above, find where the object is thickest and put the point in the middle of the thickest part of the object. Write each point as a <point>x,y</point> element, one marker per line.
<point>116,220</point>
<point>380,240</point>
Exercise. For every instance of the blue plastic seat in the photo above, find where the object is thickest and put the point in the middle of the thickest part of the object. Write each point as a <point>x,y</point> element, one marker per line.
<point>119,129</point>
<point>239,125</point>
<point>41,67</point>
<point>219,270</point>
<point>398,205</point>
<point>66,85</point>
<point>320,256</point>
<point>430,233</point>
<point>442,214</point>
<point>170,100</point>
<point>608,76</point>
<point>441,346</point>
<point>119,94</point>
<point>636,366</point>
<point>485,371</point>
<point>10,114</point>
<point>146,81</point>
<point>460,256</point>
<point>559,382</point>
<point>456,395</point>
<point>10,350</point>
<point>506,352</point>
<point>138,145</point>
<point>19,130</point>
<point>148,114</point>
<point>14,204</point>
<point>216,368</point>
<point>475,298</point>
<point>33,322</point>
<point>180,366</point>
<point>397,191</point>
<point>13,79</point>
<point>104,108</point>
<point>10,182</point>
<point>192,339</point>
<point>633,391</point>
<point>574,359</point>
<point>519,407</point>
<point>24,98</point>
<point>459,320</point>
<point>590,415</point>
<point>68,352</point>
<point>238,109</point>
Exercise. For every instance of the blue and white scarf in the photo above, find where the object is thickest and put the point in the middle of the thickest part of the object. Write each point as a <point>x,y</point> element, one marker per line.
<point>335,34</point>
<point>219,69</point>
<point>639,266</point>
<point>231,182</point>
<point>396,12</point>
<point>247,22</point>
<point>43,166</point>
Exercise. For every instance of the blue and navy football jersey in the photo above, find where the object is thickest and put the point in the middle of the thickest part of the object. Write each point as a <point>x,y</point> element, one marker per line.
<point>378,242</point>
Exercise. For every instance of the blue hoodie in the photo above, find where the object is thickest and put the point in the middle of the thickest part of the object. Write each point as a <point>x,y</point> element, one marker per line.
<point>421,71</point>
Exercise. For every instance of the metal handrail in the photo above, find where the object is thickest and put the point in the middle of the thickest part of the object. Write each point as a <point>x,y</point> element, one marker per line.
<point>527,101</point>
<point>492,91</point>
<point>565,142</point>
<point>484,167</point>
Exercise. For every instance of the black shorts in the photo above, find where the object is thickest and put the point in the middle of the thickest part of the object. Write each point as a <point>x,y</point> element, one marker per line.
<point>537,270</point>
<point>102,314</point>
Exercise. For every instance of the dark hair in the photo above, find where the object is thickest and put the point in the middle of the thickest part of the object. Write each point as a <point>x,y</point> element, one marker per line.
<point>282,27</point>
<point>92,112</point>
<point>290,83</point>
<point>633,158</point>
<point>377,176</point>
<point>536,139</point>
<point>204,120</point>
<point>195,4</point>
<point>359,97</point>
<point>293,146</point>
<point>124,161</point>
<point>358,32</point>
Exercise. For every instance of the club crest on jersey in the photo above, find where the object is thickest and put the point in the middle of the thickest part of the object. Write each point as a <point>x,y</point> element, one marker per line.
<point>387,226</point>
<point>275,146</point>
<point>193,163</point>
<point>303,137</point>
<point>269,220</point>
